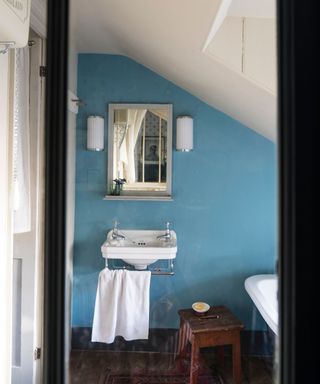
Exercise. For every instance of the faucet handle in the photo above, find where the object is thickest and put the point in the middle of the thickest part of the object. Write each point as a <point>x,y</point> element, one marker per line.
<point>115,223</point>
<point>168,226</point>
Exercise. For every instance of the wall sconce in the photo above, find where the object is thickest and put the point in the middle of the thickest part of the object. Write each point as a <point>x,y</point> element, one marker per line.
<point>184,134</point>
<point>95,133</point>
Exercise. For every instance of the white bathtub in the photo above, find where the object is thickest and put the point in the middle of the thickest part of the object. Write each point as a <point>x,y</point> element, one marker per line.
<point>263,292</point>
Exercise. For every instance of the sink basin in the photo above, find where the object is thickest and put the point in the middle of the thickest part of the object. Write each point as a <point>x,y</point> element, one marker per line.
<point>140,248</point>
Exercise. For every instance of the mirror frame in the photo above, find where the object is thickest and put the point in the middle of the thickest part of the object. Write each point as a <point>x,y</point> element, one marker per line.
<point>140,195</point>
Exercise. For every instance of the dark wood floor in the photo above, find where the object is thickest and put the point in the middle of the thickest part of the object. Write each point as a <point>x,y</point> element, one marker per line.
<point>90,367</point>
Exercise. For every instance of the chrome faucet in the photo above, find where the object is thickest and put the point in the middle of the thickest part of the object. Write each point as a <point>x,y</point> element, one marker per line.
<point>167,234</point>
<point>115,232</point>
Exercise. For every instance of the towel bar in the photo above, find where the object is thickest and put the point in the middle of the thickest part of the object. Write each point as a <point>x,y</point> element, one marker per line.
<point>154,271</point>
<point>159,272</point>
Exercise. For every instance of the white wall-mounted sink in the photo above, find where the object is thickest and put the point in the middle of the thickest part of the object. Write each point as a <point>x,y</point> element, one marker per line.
<point>140,248</point>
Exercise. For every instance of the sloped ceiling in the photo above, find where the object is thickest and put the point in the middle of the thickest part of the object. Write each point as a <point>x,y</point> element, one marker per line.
<point>168,37</point>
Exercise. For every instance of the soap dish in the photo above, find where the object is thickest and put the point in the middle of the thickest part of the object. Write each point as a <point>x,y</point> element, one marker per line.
<point>200,308</point>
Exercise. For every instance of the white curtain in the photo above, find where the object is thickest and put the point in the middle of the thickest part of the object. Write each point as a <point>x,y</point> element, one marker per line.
<point>135,118</point>
<point>123,158</point>
<point>21,143</point>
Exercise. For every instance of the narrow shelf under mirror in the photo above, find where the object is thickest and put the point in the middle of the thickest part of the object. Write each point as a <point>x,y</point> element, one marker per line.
<point>141,198</point>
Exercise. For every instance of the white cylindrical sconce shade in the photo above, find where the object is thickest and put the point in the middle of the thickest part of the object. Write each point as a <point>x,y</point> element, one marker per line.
<point>184,134</point>
<point>95,133</point>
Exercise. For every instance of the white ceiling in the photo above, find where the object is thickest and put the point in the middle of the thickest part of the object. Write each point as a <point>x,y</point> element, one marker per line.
<point>168,37</point>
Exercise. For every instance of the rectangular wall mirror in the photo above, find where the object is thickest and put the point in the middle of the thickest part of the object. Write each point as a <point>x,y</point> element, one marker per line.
<point>139,151</point>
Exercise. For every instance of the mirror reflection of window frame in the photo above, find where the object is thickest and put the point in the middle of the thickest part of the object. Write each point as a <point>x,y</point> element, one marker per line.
<point>157,186</point>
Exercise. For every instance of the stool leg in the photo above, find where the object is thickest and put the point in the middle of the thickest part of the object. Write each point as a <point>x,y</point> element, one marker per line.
<point>221,355</point>
<point>194,369</point>
<point>183,339</point>
<point>236,360</point>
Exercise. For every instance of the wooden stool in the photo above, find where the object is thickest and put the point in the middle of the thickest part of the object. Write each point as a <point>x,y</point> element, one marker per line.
<point>218,327</point>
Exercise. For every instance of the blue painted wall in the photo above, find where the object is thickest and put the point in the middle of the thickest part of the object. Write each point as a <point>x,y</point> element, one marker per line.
<point>224,208</point>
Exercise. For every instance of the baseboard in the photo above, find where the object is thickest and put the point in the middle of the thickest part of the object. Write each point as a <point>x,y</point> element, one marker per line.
<point>160,340</point>
<point>257,343</point>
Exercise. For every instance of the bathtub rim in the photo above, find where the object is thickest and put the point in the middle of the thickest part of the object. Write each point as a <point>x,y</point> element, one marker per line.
<point>258,298</point>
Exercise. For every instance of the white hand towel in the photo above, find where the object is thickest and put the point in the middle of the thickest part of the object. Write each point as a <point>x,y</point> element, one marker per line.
<point>122,305</point>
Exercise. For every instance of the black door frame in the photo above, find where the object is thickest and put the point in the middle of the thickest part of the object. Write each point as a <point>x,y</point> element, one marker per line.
<point>298,160</point>
<point>56,159</point>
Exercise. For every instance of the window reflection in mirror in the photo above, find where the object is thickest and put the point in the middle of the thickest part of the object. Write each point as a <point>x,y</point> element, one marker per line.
<point>140,149</point>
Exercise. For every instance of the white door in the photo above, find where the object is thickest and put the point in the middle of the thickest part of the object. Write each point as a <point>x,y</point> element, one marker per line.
<point>28,247</point>
<point>5,220</point>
